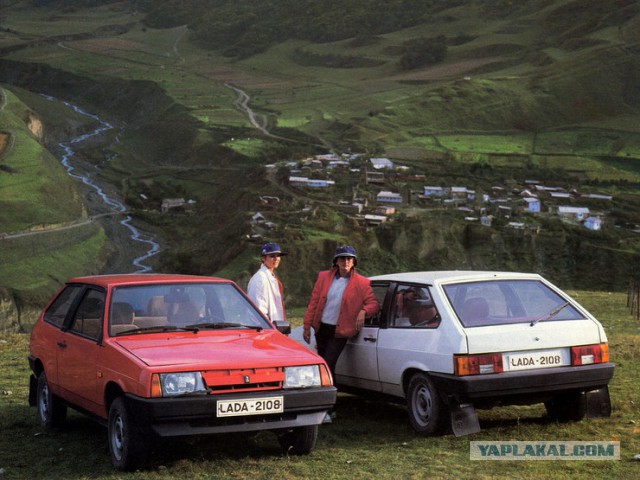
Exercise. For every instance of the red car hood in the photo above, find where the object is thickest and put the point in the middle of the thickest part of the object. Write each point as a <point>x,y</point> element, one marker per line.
<point>208,350</point>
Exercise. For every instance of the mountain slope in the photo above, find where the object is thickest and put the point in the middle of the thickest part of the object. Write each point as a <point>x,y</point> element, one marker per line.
<point>541,89</point>
<point>45,234</point>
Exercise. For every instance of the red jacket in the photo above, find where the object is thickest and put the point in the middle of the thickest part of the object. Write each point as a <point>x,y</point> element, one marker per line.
<point>357,296</point>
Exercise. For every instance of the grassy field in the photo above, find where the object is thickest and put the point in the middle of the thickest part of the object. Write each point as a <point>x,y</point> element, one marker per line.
<point>379,100</point>
<point>369,439</point>
<point>385,107</point>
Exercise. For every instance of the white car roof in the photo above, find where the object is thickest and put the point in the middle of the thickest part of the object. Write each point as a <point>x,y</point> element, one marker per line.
<point>447,276</point>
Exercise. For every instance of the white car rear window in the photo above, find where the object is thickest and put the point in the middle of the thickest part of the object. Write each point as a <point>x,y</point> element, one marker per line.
<point>497,302</point>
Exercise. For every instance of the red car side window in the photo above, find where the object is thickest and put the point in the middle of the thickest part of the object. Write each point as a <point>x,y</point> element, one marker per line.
<point>58,310</point>
<point>88,318</point>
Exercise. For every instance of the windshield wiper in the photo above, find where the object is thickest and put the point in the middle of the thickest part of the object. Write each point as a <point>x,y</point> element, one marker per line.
<point>223,325</point>
<point>195,328</point>
<point>550,315</point>
<point>159,328</point>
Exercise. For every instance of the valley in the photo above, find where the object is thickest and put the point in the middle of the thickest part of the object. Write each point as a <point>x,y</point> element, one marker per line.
<point>517,98</point>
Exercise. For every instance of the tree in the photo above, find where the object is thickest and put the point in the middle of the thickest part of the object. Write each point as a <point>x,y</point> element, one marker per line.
<point>423,51</point>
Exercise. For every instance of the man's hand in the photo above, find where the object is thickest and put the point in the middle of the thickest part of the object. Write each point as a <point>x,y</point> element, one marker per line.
<point>306,335</point>
<point>360,320</point>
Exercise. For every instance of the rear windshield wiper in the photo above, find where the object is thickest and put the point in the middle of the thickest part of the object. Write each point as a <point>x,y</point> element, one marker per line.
<point>551,314</point>
<point>223,325</point>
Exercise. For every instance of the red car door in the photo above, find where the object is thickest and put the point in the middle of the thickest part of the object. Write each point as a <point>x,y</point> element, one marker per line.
<point>78,349</point>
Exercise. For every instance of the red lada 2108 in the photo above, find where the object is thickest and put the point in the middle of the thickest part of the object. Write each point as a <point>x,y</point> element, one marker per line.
<point>154,355</point>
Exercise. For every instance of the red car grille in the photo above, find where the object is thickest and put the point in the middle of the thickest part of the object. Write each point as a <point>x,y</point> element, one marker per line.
<point>246,380</point>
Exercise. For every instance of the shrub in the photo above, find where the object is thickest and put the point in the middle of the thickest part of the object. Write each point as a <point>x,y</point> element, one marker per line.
<point>421,52</point>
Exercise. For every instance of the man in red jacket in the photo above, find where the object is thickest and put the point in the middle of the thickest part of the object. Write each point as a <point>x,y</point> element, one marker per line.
<point>340,301</point>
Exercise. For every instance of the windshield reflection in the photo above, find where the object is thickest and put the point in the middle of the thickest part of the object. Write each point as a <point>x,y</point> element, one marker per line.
<point>182,306</point>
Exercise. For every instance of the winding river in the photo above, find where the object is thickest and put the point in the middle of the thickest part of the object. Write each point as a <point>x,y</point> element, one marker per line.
<point>86,178</point>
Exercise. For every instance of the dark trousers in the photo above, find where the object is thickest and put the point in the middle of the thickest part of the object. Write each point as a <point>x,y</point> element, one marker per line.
<point>329,347</point>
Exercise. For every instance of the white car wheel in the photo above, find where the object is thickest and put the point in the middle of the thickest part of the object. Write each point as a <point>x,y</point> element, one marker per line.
<point>426,410</point>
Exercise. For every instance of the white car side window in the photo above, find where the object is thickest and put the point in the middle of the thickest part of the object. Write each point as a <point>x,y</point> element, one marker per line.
<point>413,307</point>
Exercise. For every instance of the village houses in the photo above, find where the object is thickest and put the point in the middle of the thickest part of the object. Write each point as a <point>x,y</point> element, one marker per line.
<point>532,197</point>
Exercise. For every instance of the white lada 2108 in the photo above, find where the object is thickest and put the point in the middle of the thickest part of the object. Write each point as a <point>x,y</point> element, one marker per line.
<point>450,342</point>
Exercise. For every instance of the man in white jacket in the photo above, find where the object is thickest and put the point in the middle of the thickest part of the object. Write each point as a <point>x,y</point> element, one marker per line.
<point>265,289</point>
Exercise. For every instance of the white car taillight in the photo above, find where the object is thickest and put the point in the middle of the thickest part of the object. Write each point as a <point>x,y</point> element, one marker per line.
<point>590,354</point>
<point>477,364</point>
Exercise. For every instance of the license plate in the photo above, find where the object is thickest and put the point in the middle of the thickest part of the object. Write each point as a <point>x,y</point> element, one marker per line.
<point>539,359</point>
<point>250,406</point>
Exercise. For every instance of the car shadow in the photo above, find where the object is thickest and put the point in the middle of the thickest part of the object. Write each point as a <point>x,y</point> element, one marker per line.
<point>226,446</point>
<point>357,415</point>
<point>514,421</point>
<point>356,418</point>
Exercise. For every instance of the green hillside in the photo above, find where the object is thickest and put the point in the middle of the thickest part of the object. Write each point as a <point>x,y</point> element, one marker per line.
<point>37,201</point>
<point>480,94</point>
<point>35,188</point>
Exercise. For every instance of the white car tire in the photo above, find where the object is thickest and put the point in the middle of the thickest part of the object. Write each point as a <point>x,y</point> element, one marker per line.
<point>427,411</point>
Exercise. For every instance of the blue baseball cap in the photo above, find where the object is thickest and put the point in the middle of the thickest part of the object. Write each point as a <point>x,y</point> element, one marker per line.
<point>271,248</point>
<point>344,251</point>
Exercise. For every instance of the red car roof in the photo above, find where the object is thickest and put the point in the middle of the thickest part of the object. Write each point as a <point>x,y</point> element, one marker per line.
<point>141,278</point>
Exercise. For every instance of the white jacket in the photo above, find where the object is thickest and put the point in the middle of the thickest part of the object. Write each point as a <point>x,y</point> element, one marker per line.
<point>265,290</point>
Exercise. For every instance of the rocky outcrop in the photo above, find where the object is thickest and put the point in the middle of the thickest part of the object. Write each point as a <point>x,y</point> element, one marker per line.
<point>35,126</point>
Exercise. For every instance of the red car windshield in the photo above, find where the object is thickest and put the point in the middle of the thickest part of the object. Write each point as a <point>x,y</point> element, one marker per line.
<point>169,306</point>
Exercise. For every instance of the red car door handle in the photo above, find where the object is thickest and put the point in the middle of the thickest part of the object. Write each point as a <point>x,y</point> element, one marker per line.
<point>62,344</point>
